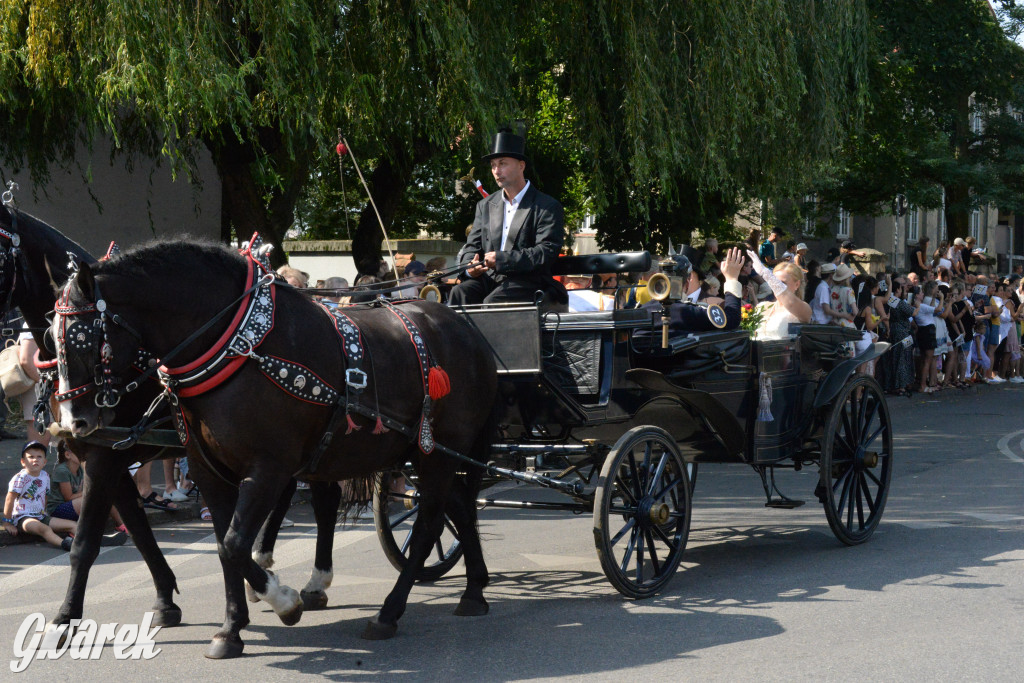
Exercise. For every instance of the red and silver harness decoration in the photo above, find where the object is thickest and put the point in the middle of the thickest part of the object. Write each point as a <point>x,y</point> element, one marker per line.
<point>252,322</point>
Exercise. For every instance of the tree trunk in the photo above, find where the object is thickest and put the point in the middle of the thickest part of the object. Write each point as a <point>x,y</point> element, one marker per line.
<point>244,206</point>
<point>958,195</point>
<point>387,185</point>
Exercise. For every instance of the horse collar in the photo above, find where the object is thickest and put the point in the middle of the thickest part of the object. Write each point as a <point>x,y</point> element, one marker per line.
<point>252,322</point>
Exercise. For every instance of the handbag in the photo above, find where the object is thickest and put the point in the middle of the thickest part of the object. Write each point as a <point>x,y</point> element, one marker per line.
<point>13,379</point>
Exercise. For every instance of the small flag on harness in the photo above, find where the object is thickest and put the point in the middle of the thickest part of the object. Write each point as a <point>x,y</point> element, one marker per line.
<point>112,251</point>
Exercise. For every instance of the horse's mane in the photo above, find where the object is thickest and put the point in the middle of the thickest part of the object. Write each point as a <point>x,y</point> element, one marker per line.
<point>180,254</point>
<point>41,228</point>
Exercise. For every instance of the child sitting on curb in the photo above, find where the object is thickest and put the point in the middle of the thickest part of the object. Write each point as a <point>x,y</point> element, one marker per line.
<point>24,508</point>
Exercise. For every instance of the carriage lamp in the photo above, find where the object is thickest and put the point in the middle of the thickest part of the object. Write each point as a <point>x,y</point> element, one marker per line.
<point>667,288</point>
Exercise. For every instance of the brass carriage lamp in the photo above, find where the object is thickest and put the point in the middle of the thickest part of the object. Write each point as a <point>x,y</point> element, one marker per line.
<point>666,287</point>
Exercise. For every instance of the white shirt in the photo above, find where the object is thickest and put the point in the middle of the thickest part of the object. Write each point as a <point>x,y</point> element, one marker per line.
<point>510,211</point>
<point>822,297</point>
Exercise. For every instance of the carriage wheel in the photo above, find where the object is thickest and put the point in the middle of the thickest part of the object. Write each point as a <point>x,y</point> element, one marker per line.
<point>856,461</point>
<point>394,515</point>
<point>642,512</point>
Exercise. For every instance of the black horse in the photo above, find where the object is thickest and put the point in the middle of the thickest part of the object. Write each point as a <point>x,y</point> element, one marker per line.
<point>250,430</point>
<point>29,275</point>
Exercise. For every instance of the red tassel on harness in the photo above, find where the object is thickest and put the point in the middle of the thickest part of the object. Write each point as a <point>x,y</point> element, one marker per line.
<point>438,383</point>
<point>352,426</point>
<point>379,428</point>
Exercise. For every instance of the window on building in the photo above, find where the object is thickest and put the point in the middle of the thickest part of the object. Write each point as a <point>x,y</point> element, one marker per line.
<point>913,224</point>
<point>977,125</point>
<point>809,210</point>
<point>843,226</point>
<point>976,224</point>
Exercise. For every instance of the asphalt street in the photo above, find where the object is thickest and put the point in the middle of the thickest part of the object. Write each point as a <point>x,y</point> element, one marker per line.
<point>763,594</point>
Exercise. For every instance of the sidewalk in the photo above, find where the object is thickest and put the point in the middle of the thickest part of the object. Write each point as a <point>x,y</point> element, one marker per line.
<point>10,464</point>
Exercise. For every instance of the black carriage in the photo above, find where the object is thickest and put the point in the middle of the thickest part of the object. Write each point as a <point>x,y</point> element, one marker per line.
<point>597,408</point>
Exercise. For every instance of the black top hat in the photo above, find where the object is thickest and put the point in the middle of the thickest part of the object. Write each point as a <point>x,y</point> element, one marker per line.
<point>507,144</point>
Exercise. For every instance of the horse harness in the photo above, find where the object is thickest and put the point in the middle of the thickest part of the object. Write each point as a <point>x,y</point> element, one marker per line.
<point>252,322</point>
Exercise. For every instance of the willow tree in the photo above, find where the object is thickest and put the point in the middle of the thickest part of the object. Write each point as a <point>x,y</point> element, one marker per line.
<point>263,85</point>
<point>687,107</point>
<point>664,103</point>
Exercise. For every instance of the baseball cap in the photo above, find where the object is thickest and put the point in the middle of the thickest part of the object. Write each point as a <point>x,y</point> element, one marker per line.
<point>848,244</point>
<point>414,268</point>
<point>33,444</point>
<point>959,242</point>
<point>827,268</point>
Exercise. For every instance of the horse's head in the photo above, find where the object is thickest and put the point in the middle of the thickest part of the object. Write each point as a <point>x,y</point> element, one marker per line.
<point>95,351</point>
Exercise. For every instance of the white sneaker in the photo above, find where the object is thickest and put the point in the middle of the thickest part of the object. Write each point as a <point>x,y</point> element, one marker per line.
<point>995,380</point>
<point>286,523</point>
<point>1016,380</point>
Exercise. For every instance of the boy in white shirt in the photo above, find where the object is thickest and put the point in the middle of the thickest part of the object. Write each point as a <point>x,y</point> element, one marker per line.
<point>25,506</point>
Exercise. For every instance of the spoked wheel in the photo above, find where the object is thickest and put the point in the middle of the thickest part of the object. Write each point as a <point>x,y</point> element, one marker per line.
<point>394,515</point>
<point>642,511</point>
<point>856,461</point>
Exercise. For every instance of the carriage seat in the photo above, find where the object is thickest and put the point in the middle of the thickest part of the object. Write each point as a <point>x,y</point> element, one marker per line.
<point>592,264</point>
<point>825,342</point>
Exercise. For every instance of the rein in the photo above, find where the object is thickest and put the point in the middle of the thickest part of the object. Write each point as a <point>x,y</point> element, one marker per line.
<point>362,289</point>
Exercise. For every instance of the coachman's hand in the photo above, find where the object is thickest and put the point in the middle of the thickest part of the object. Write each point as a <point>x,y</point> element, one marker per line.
<point>476,268</point>
<point>491,260</point>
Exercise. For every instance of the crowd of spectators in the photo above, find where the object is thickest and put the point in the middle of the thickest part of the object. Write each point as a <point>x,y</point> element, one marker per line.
<point>964,327</point>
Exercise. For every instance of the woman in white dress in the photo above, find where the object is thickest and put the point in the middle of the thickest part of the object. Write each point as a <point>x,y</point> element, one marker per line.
<point>789,306</point>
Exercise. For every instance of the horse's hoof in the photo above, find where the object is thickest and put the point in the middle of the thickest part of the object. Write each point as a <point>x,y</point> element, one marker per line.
<point>292,616</point>
<point>250,593</point>
<point>376,630</point>
<point>225,647</point>
<point>66,632</point>
<point>471,608</point>
<point>313,600</point>
<point>167,617</point>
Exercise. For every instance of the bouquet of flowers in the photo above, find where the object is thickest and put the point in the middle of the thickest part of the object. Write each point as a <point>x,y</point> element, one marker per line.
<point>750,318</point>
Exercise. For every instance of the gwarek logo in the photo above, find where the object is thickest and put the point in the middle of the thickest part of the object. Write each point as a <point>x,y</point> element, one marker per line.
<point>85,640</point>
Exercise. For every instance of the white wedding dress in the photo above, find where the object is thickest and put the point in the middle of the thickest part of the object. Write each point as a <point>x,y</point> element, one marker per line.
<point>775,324</point>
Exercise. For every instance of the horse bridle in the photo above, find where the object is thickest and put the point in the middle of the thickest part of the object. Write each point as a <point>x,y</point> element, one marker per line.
<point>84,336</point>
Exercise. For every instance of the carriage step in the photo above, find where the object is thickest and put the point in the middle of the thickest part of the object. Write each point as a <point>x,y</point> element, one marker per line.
<point>784,503</point>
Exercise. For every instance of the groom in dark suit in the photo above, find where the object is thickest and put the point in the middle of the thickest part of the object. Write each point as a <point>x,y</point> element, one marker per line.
<point>517,234</point>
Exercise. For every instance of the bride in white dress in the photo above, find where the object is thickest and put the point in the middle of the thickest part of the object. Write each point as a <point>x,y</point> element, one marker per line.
<point>789,306</point>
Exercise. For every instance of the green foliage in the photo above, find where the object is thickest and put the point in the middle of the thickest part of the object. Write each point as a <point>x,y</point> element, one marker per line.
<point>936,63</point>
<point>655,114</point>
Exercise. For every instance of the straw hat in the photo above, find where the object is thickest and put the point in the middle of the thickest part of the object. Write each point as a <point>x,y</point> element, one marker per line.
<point>843,272</point>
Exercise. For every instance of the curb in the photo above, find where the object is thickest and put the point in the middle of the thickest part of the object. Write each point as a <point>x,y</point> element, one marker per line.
<point>157,518</point>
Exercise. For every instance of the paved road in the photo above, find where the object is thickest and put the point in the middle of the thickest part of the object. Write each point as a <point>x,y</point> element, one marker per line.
<point>937,594</point>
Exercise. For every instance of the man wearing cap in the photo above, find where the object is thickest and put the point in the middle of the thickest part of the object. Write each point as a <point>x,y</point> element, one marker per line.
<point>821,309</point>
<point>767,250</point>
<point>516,236</point>
<point>847,250</point>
